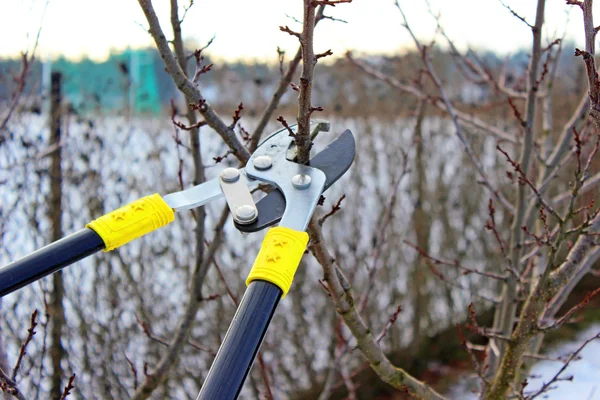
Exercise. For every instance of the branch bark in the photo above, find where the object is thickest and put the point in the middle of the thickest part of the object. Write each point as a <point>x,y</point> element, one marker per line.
<point>180,338</point>
<point>505,313</point>
<point>177,69</point>
<point>548,286</point>
<point>343,299</point>
<point>187,87</point>
<point>303,141</point>
<point>199,174</point>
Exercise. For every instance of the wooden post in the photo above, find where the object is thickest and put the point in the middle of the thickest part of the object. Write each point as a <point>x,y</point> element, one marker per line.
<point>57,311</point>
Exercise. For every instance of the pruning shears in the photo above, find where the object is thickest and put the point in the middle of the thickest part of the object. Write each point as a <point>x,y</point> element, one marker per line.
<point>298,189</point>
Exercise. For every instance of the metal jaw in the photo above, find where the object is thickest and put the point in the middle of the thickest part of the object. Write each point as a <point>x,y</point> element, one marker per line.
<point>295,200</point>
<point>334,160</point>
<point>301,185</point>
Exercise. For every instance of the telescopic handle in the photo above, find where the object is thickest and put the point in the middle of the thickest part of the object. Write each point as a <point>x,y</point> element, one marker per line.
<point>49,259</point>
<point>241,343</point>
<point>269,281</point>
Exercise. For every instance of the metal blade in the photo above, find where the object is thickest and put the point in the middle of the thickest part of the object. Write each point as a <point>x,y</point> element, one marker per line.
<point>196,196</point>
<point>334,161</point>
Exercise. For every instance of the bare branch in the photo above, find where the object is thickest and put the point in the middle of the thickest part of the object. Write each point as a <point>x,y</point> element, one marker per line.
<point>286,80</point>
<point>288,30</point>
<point>576,3</point>
<point>148,332</point>
<point>464,117</point>
<point>185,11</point>
<point>331,3</point>
<point>560,321</point>
<point>187,87</point>
<point>454,264</point>
<point>286,126</point>
<point>324,54</point>
<point>513,12</point>
<point>133,371</point>
<point>303,141</point>
<point>524,180</point>
<point>346,308</point>
<point>556,377</point>
<point>200,69</point>
<point>8,385</point>
<point>180,125</point>
<point>237,115</point>
<point>506,312</point>
<point>30,333</point>
<point>70,386</point>
<point>334,209</point>
<point>389,324</point>
<point>450,109</point>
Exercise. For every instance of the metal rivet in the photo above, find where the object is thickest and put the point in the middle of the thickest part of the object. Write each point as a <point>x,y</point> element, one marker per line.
<point>263,162</point>
<point>301,181</point>
<point>230,175</point>
<point>245,214</point>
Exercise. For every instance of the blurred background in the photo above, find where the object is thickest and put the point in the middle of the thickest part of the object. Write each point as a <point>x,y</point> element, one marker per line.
<point>411,184</point>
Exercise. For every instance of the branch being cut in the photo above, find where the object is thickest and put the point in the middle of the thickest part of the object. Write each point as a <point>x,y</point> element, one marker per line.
<point>309,60</point>
<point>284,83</point>
<point>303,142</point>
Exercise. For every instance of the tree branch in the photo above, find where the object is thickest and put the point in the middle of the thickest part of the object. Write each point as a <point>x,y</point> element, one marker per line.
<point>505,315</point>
<point>187,87</point>
<point>366,343</point>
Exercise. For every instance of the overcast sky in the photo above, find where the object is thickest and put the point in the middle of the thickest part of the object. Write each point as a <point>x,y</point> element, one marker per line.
<point>249,29</point>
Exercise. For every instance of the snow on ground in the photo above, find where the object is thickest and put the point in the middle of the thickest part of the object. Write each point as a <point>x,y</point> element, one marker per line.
<point>585,372</point>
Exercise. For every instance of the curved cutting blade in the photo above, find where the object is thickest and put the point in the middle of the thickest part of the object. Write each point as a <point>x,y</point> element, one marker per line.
<point>334,161</point>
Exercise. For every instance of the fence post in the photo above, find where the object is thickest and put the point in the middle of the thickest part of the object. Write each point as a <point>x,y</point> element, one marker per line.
<point>57,311</point>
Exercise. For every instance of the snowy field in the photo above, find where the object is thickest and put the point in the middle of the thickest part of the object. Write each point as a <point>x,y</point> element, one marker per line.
<point>110,161</point>
<point>585,371</point>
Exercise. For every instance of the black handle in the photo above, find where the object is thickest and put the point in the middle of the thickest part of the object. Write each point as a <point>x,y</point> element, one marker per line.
<point>241,343</point>
<point>49,259</point>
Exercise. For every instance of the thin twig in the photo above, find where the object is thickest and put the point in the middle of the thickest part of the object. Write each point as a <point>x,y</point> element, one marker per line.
<point>30,333</point>
<point>556,376</point>
<point>70,386</point>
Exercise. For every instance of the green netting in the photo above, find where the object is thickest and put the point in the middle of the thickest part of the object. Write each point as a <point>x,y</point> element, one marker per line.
<point>125,82</point>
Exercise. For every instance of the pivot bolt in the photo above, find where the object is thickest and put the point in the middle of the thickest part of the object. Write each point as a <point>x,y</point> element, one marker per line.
<point>301,181</point>
<point>245,214</point>
<point>263,163</point>
<point>230,175</point>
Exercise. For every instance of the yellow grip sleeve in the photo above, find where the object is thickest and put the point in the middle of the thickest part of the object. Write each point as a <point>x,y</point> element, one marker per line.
<point>278,258</point>
<point>132,221</point>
